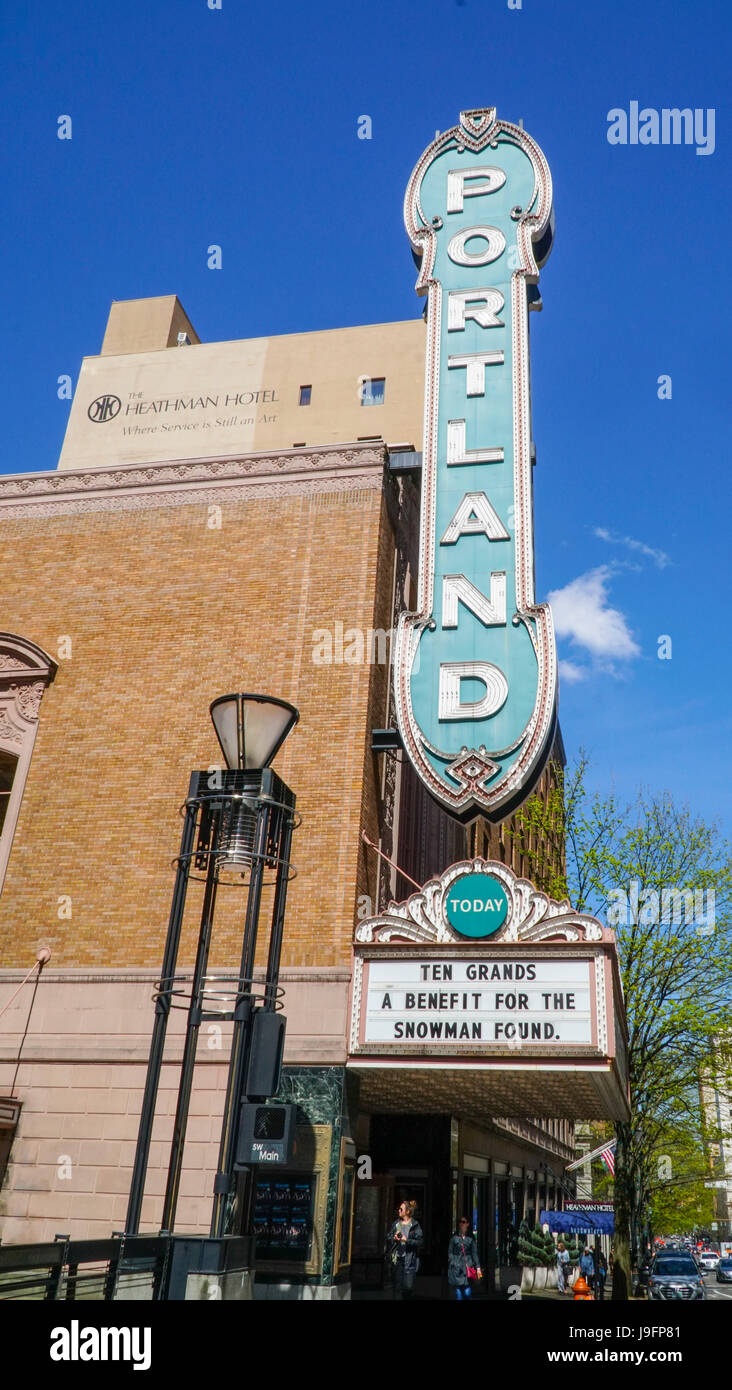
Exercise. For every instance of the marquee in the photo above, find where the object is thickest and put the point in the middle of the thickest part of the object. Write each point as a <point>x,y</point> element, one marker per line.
<point>527,1019</point>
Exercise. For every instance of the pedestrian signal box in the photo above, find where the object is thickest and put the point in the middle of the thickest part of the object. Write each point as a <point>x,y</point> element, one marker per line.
<point>266,1134</point>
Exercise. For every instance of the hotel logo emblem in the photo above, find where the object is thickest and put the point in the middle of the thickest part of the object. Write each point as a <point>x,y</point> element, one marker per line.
<point>104,408</point>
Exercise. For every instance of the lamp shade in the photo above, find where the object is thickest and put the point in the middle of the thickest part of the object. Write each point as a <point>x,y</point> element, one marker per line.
<point>251,728</point>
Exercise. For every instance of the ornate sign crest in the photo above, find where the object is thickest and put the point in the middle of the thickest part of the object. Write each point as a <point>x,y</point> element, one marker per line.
<point>440,911</point>
<point>477,711</point>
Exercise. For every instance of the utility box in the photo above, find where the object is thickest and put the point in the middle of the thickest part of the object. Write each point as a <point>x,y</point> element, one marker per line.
<point>265,1055</point>
<point>206,1268</point>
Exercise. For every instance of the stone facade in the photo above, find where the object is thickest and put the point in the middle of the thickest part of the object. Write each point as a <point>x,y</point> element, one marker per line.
<point>144,398</point>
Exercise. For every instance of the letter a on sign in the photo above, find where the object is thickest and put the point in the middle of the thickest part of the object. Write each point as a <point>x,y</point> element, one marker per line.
<point>475,666</point>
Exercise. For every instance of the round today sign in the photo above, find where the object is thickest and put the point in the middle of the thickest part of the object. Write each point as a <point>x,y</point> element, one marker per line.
<point>476,905</point>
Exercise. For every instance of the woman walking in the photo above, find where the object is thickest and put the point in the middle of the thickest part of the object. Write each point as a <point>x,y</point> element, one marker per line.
<point>462,1260</point>
<point>403,1243</point>
<point>562,1267</point>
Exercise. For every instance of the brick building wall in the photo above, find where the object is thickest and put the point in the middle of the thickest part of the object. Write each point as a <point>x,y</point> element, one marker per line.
<point>163,612</point>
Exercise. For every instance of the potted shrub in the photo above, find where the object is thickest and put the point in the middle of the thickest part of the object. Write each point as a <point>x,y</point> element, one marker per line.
<point>538,1261</point>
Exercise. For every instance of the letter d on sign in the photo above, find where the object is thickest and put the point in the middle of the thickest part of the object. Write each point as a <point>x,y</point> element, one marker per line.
<point>452,673</point>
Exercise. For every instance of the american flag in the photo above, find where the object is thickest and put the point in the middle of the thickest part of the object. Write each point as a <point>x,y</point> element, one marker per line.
<point>608,1158</point>
<point>604,1151</point>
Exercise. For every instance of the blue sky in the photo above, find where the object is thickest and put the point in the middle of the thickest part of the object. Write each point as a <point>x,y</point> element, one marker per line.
<point>238,127</point>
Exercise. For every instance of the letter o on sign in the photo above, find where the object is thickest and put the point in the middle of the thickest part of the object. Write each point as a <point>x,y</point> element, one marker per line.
<point>495,245</point>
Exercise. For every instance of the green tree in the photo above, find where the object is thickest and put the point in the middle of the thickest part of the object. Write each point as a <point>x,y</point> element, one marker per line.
<point>678,1198</point>
<point>663,880</point>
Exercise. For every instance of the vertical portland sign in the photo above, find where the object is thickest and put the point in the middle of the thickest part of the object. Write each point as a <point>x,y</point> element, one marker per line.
<point>475,667</point>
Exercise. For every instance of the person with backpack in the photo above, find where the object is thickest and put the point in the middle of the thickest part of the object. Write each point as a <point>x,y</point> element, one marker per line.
<point>463,1268</point>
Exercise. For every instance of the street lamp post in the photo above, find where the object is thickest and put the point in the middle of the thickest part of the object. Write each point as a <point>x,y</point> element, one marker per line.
<point>237,821</point>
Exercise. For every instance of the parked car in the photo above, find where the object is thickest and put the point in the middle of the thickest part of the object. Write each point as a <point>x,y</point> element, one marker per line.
<point>675,1277</point>
<point>708,1259</point>
<point>724,1270</point>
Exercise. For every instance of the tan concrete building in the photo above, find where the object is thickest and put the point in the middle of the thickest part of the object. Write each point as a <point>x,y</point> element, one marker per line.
<point>152,572</point>
<point>139,401</point>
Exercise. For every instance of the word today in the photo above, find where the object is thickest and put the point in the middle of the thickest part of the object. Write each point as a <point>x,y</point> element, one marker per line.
<point>478,905</point>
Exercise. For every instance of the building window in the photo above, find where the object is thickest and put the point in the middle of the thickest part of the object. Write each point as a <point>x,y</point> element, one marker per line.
<point>372,390</point>
<point>25,672</point>
<point>9,1114</point>
<point>305,395</point>
<point>8,764</point>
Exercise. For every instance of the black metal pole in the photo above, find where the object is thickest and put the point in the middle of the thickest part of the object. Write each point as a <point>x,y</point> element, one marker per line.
<point>240,1040</point>
<point>189,1051</point>
<point>162,1013</point>
<point>278,912</point>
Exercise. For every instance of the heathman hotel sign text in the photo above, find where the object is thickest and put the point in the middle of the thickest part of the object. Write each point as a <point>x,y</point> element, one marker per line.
<point>477,711</point>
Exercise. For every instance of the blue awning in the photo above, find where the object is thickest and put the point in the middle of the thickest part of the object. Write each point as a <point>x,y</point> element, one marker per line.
<point>601,1223</point>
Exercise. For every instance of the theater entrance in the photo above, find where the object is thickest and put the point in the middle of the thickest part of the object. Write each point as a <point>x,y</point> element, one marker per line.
<point>410,1157</point>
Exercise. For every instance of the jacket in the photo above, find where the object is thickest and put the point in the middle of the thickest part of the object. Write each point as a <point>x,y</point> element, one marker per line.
<point>587,1263</point>
<point>461,1252</point>
<point>408,1250</point>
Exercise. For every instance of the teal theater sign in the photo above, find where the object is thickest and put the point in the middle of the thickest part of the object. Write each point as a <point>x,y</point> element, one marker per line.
<point>475,667</point>
<point>476,905</point>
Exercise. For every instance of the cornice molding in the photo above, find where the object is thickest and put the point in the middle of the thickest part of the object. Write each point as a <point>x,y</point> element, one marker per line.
<point>337,467</point>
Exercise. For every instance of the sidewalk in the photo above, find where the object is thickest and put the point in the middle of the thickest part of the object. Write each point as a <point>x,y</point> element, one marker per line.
<point>566,1297</point>
<point>434,1288</point>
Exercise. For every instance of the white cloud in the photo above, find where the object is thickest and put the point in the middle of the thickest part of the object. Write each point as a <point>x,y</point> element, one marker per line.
<point>659,557</point>
<point>582,613</point>
<point>569,671</point>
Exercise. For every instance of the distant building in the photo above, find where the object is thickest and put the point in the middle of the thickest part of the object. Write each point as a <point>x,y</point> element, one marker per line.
<point>716,1102</point>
